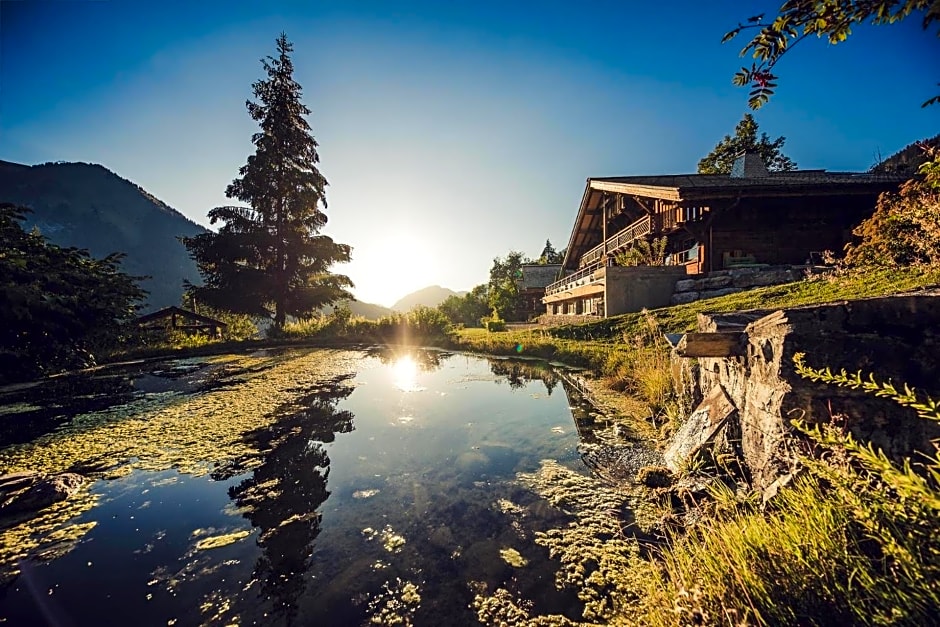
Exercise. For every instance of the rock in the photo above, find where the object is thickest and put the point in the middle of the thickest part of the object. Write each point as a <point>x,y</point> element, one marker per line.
<point>684,297</point>
<point>700,428</point>
<point>37,491</point>
<point>685,285</point>
<point>16,481</point>
<point>716,282</point>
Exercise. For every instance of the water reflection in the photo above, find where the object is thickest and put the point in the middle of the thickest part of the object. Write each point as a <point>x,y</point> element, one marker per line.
<point>438,491</point>
<point>283,495</point>
<point>520,373</point>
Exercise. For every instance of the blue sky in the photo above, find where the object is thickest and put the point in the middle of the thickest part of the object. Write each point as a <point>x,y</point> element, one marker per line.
<point>450,133</point>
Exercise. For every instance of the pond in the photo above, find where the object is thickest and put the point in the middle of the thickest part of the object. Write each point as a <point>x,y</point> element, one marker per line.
<point>312,487</point>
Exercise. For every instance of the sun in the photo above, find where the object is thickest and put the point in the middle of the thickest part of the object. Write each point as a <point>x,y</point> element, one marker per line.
<point>395,265</point>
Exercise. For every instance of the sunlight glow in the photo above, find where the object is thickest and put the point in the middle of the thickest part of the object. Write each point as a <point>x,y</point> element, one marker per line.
<point>405,371</point>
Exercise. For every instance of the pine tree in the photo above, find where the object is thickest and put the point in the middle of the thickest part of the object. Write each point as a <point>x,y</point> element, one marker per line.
<point>269,259</point>
<point>721,158</point>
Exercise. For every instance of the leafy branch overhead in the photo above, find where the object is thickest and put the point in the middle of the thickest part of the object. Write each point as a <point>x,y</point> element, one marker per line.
<point>799,19</point>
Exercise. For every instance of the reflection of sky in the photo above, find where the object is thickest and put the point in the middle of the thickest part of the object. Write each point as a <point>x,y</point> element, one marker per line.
<point>430,481</point>
<point>450,133</point>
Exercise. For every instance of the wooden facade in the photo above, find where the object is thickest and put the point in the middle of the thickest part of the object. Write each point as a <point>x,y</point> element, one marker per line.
<point>715,221</point>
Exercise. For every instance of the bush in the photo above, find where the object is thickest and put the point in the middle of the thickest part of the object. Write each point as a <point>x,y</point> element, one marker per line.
<point>905,228</point>
<point>495,325</point>
<point>493,322</point>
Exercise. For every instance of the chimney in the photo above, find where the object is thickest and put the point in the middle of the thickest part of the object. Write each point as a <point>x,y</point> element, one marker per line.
<point>748,165</point>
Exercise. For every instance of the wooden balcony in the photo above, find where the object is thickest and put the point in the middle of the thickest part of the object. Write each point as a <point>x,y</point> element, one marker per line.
<point>640,228</point>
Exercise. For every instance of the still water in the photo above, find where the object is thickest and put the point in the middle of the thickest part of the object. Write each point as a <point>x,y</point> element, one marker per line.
<point>309,487</point>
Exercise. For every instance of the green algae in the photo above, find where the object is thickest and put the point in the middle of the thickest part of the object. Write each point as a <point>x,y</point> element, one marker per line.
<point>597,558</point>
<point>513,558</point>
<point>396,604</point>
<point>45,536</point>
<point>215,542</point>
<point>192,433</point>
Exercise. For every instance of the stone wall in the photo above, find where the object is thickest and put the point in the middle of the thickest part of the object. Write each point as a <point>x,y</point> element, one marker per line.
<point>894,338</point>
<point>733,280</point>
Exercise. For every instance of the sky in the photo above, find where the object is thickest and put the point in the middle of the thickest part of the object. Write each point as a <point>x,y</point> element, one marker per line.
<point>450,132</point>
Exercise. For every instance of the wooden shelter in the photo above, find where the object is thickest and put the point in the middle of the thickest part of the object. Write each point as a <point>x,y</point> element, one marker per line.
<point>183,320</point>
<point>717,221</point>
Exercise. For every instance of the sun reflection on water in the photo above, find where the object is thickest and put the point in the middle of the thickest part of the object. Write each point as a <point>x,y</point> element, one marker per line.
<point>405,372</point>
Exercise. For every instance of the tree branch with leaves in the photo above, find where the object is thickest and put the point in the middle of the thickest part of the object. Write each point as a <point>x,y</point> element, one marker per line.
<point>799,19</point>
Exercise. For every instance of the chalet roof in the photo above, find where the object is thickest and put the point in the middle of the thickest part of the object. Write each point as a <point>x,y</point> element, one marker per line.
<point>686,187</point>
<point>713,189</point>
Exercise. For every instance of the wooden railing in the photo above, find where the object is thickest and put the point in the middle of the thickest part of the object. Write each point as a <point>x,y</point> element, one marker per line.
<point>635,231</point>
<point>572,280</point>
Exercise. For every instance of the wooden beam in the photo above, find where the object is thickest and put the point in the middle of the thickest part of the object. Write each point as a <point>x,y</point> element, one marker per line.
<point>643,205</point>
<point>720,344</point>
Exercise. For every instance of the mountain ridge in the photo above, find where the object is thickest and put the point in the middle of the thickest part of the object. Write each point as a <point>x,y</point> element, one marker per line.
<point>86,205</point>
<point>430,296</point>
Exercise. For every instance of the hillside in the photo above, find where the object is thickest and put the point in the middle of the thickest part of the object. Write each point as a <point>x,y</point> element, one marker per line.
<point>908,159</point>
<point>88,206</point>
<point>369,311</point>
<point>431,296</point>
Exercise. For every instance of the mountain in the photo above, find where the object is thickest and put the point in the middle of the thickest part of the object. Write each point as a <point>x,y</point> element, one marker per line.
<point>87,206</point>
<point>907,160</point>
<point>431,296</point>
<point>366,310</point>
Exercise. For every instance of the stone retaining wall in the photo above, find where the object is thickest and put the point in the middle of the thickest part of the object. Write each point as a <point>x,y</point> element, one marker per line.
<point>894,338</point>
<point>734,280</point>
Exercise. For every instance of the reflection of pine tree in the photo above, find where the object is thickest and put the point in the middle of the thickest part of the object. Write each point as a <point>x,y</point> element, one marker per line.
<point>284,493</point>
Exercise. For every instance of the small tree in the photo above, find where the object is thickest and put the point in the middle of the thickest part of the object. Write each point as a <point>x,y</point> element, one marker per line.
<point>644,253</point>
<point>269,259</point>
<point>467,309</point>
<point>721,158</point>
<point>503,287</point>
<point>550,255</point>
<point>58,306</point>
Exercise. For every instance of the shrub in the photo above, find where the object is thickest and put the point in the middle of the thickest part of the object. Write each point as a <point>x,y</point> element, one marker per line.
<point>905,228</point>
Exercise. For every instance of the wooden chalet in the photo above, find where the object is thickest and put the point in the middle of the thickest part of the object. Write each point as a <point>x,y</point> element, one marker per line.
<point>711,222</point>
<point>175,318</point>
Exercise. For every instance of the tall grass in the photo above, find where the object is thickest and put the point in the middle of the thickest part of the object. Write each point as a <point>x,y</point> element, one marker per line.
<point>421,325</point>
<point>853,541</point>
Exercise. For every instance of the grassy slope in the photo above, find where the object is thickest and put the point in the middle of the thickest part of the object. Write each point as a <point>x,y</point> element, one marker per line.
<point>601,335</point>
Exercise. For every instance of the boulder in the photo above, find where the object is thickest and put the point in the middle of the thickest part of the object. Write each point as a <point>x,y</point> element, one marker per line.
<point>685,285</point>
<point>700,428</point>
<point>30,492</point>
<point>683,297</point>
<point>716,282</point>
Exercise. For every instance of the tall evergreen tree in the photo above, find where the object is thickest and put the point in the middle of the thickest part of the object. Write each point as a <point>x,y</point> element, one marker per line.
<point>269,259</point>
<point>721,158</point>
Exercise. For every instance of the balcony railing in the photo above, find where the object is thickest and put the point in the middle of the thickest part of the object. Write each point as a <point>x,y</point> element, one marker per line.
<point>635,231</point>
<point>581,277</point>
